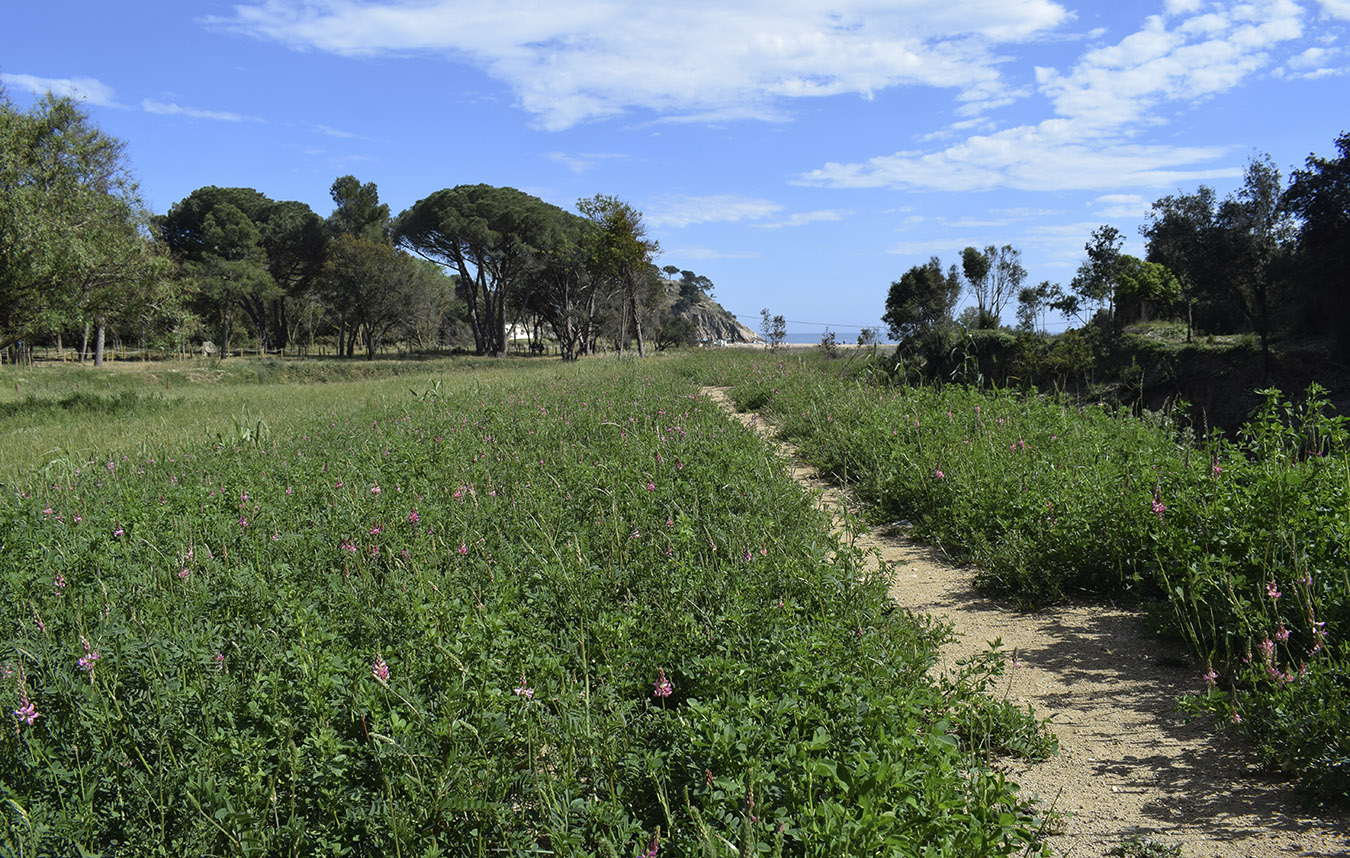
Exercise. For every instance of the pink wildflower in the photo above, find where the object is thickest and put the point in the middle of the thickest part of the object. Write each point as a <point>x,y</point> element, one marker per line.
<point>662,687</point>
<point>27,712</point>
<point>89,660</point>
<point>380,670</point>
<point>375,490</point>
<point>413,517</point>
<point>1211,677</point>
<point>1273,591</point>
<point>1281,634</point>
<point>1267,648</point>
<point>938,473</point>
<point>651,487</point>
<point>462,549</point>
<point>523,690</point>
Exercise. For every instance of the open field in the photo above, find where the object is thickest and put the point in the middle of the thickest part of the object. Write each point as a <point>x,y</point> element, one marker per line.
<point>539,609</point>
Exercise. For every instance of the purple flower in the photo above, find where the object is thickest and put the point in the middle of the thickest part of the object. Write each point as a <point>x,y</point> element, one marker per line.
<point>1281,634</point>
<point>27,712</point>
<point>523,690</point>
<point>938,473</point>
<point>1273,591</point>
<point>1267,648</point>
<point>1211,677</point>
<point>662,687</point>
<point>380,670</point>
<point>413,517</point>
<point>89,660</point>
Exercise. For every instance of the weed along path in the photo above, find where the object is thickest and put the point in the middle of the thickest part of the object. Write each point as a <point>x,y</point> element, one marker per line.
<point>1130,769</point>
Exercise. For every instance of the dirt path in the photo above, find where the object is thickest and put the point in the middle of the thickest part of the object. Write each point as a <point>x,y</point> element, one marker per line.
<point>1129,765</point>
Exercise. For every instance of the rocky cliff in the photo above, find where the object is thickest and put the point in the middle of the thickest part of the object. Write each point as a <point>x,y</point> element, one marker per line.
<point>710,318</point>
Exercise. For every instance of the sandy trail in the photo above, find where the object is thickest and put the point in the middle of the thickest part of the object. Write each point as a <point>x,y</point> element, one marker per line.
<point>1129,763</point>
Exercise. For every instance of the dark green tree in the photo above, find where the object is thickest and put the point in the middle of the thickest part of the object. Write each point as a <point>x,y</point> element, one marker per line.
<point>622,253</point>
<point>375,284</point>
<point>919,305</point>
<point>72,243</point>
<point>494,238</point>
<point>1179,235</point>
<point>292,239</point>
<point>230,266</point>
<point>975,264</point>
<point>357,210</point>
<point>1319,197</point>
<point>1093,288</point>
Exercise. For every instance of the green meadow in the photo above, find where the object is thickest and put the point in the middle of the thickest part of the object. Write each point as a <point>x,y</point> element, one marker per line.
<point>458,607</point>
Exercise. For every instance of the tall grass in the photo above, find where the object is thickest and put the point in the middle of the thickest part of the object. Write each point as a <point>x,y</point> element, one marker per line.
<point>1242,545</point>
<point>553,611</point>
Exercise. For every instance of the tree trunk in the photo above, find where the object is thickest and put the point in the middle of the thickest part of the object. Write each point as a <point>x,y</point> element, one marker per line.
<point>101,331</point>
<point>225,319</point>
<point>637,319</point>
<point>84,344</point>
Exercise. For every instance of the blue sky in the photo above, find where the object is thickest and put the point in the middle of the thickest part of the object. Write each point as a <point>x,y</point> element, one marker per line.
<point>801,155</point>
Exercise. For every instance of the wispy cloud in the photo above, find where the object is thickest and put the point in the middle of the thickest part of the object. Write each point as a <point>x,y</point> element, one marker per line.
<point>718,208</point>
<point>88,89</point>
<point>334,132</point>
<point>1102,105</point>
<point>701,252</point>
<point>1122,206</point>
<point>583,162</point>
<point>576,60</point>
<point>167,108</point>
<point>804,218</point>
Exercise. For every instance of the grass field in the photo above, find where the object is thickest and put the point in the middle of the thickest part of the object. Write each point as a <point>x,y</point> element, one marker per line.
<point>457,608</point>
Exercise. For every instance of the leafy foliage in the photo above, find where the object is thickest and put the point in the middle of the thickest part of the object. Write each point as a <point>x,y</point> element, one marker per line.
<point>580,612</point>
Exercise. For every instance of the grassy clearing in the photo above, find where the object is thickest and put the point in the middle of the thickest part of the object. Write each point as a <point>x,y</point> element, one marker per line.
<point>545,610</point>
<point>1242,547</point>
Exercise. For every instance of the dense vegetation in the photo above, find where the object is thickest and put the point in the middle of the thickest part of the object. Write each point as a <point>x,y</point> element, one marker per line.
<point>1271,261</point>
<point>81,260</point>
<point>1242,546</point>
<point>574,611</point>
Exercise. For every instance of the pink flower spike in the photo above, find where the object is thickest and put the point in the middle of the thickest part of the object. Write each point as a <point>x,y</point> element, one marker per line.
<point>27,712</point>
<point>1211,677</point>
<point>1273,591</point>
<point>662,687</point>
<point>463,549</point>
<point>938,473</point>
<point>380,670</point>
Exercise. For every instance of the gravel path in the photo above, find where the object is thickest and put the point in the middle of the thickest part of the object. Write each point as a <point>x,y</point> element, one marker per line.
<point>1129,764</point>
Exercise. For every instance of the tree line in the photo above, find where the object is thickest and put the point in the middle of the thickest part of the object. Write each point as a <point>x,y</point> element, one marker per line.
<point>1271,259</point>
<point>473,265</point>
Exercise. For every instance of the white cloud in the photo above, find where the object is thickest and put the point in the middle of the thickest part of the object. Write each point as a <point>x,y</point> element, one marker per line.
<point>1051,156</point>
<point>1336,8</point>
<point>88,89</point>
<point>166,108</point>
<point>334,132</point>
<point>718,208</point>
<point>576,60</point>
<point>804,218</point>
<point>582,162</point>
<point>701,252</point>
<point>1102,105</point>
<point>1122,206</point>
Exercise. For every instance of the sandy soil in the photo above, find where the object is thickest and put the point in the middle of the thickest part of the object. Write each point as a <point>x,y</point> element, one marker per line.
<point>1129,764</point>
